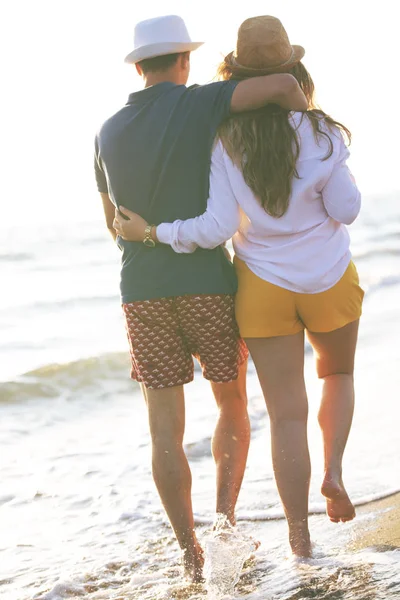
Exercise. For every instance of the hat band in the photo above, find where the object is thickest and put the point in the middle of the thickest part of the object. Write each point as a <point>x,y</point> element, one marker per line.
<point>236,64</point>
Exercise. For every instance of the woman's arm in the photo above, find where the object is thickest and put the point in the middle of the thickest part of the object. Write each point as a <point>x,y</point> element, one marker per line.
<point>216,225</point>
<point>340,195</point>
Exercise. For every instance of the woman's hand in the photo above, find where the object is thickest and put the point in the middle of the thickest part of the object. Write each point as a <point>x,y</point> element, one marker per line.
<point>131,230</point>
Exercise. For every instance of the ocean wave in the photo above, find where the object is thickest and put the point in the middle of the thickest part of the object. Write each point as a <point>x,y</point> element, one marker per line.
<point>375,252</point>
<point>199,449</point>
<point>65,589</point>
<point>66,303</point>
<point>384,282</point>
<point>91,300</point>
<point>53,380</point>
<point>386,235</point>
<point>317,508</point>
<point>16,257</point>
<point>90,241</point>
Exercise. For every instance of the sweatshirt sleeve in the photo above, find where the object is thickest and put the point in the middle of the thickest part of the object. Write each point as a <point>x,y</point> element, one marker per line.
<point>340,195</point>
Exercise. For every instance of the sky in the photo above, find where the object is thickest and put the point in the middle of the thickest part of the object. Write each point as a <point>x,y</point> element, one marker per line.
<point>63,74</point>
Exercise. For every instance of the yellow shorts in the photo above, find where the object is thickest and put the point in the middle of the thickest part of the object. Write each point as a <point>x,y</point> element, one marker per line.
<point>267,310</point>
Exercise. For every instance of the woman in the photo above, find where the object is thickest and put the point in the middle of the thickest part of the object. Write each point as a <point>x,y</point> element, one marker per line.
<point>280,181</point>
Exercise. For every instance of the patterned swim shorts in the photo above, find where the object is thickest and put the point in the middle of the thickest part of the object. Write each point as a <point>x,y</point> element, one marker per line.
<point>164,335</point>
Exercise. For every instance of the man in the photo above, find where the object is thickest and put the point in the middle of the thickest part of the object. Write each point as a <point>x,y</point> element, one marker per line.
<point>153,157</point>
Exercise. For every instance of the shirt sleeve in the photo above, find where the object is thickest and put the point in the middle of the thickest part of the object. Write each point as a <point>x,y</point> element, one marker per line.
<point>101,179</point>
<point>340,194</point>
<point>216,225</point>
<point>214,99</point>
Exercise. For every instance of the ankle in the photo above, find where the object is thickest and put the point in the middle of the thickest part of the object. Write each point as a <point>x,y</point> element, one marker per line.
<point>299,538</point>
<point>188,542</point>
<point>298,525</point>
<point>299,530</point>
<point>224,520</point>
<point>226,516</point>
<point>193,563</point>
<point>333,473</point>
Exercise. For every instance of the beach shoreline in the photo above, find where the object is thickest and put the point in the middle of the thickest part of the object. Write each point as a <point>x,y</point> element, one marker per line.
<point>382,529</point>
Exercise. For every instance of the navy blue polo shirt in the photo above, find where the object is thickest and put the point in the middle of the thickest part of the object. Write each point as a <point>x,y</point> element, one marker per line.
<point>153,157</point>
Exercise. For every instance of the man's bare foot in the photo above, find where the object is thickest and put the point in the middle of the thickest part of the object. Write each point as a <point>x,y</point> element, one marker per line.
<point>338,504</point>
<point>299,539</point>
<point>193,563</point>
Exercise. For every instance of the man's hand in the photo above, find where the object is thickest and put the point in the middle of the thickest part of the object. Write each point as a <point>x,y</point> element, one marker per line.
<point>131,230</point>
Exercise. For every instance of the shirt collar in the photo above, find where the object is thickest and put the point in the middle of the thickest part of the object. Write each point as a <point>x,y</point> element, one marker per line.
<point>149,91</point>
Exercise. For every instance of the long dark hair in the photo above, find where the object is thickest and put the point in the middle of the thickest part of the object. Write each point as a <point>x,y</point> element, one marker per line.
<point>265,145</point>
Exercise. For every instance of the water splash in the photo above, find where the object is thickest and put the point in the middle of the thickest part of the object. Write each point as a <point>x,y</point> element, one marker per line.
<point>226,550</point>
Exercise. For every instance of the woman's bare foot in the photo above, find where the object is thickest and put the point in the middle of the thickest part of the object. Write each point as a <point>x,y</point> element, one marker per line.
<point>338,504</point>
<point>299,539</point>
<point>193,563</point>
<point>224,526</point>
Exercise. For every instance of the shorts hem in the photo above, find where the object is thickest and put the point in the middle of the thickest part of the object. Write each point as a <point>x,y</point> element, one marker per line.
<point>162,386</point>
<point>240,362</point>
<point>338,325</point>
<point>260,334</point>
<point>211,380</point>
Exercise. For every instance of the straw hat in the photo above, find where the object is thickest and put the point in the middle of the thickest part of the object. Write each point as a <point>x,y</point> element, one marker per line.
<point>263,47</point>
<point>160,36</point>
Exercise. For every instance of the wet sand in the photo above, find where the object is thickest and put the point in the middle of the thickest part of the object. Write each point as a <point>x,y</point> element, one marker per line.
<point>383,528</point>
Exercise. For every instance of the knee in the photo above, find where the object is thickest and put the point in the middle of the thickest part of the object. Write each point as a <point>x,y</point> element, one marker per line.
<point>330,366</point>
<point>166,440</point>
<point>329,371</point>
<point>165,450</point>
<point>278,418</point>
<point>166,430</point>
<point>289,411</point>
<point>230,396</point>
<point>231,405</point>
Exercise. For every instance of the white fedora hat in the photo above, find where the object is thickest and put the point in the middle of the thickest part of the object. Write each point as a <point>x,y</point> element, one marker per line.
<point>160,36</point>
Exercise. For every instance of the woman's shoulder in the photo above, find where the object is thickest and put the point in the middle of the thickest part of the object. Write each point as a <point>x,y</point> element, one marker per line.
<point>317,131</point>
<point>303,122</point>
<point>217,148</point>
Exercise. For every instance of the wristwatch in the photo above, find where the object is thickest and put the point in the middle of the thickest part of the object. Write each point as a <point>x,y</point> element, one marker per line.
<point>148,240</point>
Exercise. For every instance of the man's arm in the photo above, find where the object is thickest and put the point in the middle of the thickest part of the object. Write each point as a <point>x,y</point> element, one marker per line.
<point>109,211</point>
<point>281,88</point>
<point>102,187</point>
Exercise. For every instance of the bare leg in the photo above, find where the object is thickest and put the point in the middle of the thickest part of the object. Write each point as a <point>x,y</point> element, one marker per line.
<point>335,365</point>
<point>171,472</point>
<point>230,444</point>
<point>280,362</point>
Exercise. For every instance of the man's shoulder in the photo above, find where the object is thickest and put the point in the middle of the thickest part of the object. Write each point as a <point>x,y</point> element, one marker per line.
<point>147,96</point>
<point>198,98</point>
<point>211,88</point>
<point>214,98</point>
<point>110,122</point>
